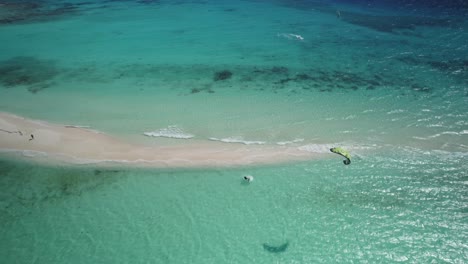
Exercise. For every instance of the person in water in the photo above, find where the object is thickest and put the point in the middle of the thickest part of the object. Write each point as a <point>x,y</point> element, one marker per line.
<point>248,178</point>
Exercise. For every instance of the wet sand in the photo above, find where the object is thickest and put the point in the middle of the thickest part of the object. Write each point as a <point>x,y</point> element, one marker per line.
<point>77,145</point>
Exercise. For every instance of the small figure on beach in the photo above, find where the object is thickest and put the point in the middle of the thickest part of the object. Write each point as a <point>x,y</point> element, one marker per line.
<point>32,137</point>
<point>248,178</point>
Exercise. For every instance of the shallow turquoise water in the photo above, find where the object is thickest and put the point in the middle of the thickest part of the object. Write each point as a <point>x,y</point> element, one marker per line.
<point>395,95</point>
<point>404,206</point>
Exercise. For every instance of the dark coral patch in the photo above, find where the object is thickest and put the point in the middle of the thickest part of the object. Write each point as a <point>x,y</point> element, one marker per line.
<point>276,249</point>
<point>195,90</point>
<point>449,65</point>
<point>457,68</point>
<point>34,11</point>
<point>394,24</point>
<point>273,70</point>
<point>279,70</point>
<point>285,80</point>
<point>306,4</point>
<point>30,72</point>
<point>303,77</point>
<point>148,2</point>
<point>207,88</point>
<point>222,75</point>
<point>319,79</point>
<point>30,185</point>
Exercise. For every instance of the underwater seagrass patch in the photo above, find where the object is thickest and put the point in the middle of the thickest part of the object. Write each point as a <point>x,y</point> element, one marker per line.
<point>14,12</point>
<point>394,24</point>
<point>30,72</point>
<point>222,75</point>
<point>276,248</point>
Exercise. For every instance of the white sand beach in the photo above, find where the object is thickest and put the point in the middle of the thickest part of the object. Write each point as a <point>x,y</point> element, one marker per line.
<point>77,145</point>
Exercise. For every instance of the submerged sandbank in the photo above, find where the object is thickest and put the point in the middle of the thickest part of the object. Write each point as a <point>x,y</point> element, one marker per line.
<point>80,145</point>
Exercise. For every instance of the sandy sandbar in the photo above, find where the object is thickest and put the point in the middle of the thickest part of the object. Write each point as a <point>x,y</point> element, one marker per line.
<point>77,145</point>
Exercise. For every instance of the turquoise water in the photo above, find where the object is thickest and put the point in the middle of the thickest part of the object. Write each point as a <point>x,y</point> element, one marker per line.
<point>385,81</point>
<point>401,207</point>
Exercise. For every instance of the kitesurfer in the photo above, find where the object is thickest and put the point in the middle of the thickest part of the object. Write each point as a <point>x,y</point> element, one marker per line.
<point>248,178</point>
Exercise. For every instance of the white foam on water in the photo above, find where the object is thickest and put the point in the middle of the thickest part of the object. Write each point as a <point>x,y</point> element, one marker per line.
<point>290,36</point>
<point>76,126</point>
<point>169,132</point>
<point>33,153</point>
<point>453,133</point>
<point>25,153</point>
<point>325,148</point>
<point>414,155</point>
<point>397,111</point>
<point>350,117</point>
<point>238,140</point>
<point>282,143</point>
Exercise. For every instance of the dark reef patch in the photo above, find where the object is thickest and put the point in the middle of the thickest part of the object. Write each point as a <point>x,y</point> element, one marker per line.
<point>149,2</point>
<point>142,2</point>
<point>12,12</point>
<point>305,4</point>
<point>200,79</point>
<point>273,70</point>
<point>404,24</point>
<point>30,72</point>
<point>279,70</point>
<point>222,75</point>
<point>334,80</point>
<point>207,89</point>
<point>303,77</point>
<point>197,78</point>
<point>449,65</point>
<point>26,187</point>
<point>63,182</point>
<point>457,68</point>
<point>394,24</point>
<point>413,4</point>
<point>276,249</point>
<point>101,172</point>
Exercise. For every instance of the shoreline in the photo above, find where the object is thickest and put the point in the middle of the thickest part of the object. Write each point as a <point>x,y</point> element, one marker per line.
<point>82,145</point>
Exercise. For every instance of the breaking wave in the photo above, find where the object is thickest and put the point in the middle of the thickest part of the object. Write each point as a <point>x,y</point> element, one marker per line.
<point>169,132</point>
<point>282,143</point>
<point>453,133</point>
<point>238,140</point>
